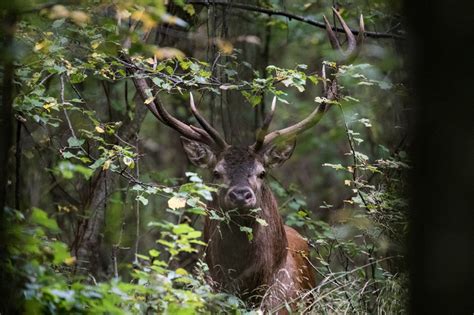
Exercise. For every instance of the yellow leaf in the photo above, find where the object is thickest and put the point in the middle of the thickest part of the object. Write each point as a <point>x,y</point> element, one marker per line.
<point>95,44</point>
<point>168,53</point>
<point>40,45</point>
<point>58,12</point>
<point>224,46</point>
<point>181,272</point>
<point>48,106</point>
<point>189,9</point>
<point>147,20</point>
<point>347,182</point>
<point>176,203</point>
<point>106,165</point>
<point>149,100</point>
<point>150,61</point>
<point>99,129</point>
<point>79,17</point>
<point>70,261</point>
<point>123,14</point>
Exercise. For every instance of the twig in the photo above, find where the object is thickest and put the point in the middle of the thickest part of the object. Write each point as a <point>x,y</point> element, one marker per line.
<point>116,247</point>
<point>291,16</point>
<point>351,145</point>
<point>18,149</point>
<point>61,99</point>
<point>137,209</point>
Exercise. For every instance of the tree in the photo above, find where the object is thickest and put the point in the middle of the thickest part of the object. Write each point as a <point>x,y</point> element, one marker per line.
<point>86,153</point>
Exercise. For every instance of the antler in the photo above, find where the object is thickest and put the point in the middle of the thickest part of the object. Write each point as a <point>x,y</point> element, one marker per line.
<point>207,127</point>
<point>207,135</point>
<point>329,89</point>
<point>353,44</point>
<point>266,123</point>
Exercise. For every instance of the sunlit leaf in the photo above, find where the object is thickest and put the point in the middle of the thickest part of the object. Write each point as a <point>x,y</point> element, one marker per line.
<point>176,203</point>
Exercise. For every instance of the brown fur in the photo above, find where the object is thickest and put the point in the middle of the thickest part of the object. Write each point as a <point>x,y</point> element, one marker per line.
<point>272,268</point>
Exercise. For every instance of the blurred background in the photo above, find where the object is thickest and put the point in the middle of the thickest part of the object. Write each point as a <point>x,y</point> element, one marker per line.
<point>81,149</point>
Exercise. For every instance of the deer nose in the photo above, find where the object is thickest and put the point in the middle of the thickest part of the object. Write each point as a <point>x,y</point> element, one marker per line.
<point>241,196</point>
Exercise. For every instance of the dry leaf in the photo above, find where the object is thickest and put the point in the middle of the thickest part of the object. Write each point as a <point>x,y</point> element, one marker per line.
<point>177,203</point>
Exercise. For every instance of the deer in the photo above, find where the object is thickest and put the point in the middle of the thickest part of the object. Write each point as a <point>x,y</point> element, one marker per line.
<point>272,268</point>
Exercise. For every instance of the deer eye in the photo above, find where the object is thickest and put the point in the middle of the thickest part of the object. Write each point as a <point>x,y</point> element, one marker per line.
<point>216,175</point>
<point>262,175</point>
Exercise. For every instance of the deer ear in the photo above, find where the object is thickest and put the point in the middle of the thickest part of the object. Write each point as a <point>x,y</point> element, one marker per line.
<point>278,153</point>
<point>200,154</point>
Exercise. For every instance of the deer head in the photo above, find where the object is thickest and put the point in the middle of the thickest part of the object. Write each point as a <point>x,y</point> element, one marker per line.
<point>241,170</point>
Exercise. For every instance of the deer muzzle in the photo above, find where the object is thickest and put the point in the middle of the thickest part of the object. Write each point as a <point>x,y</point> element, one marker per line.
<point>241,197</point>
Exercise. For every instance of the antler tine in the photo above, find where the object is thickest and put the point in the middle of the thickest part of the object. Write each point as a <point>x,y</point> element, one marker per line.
<point>208,136</point>
<point>332,36</point>
<point>361,36</point>
<point>351,41</point>
<point>353,44</point>
<point>308,122</point>
<point>207,127</point>
<point>182,128</point>
<point>329,86</point>
<point>264,129</point>
<point>323,74</point>
<point>158,110</point>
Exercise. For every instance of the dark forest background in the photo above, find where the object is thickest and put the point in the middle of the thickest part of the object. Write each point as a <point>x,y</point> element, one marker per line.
<point>93,185</point>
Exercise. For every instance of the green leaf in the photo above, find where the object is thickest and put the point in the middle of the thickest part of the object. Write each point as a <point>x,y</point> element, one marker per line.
<point>189,9</point>
<point>98,163</point>
<point>68,155</point>
<point>61,252</point>
<point>182,228</point>
<point>337,167</point>
<point>68,169</point>
<point>40,217</point>
<point>128,161</point>
<point>247,230</point>
<point>142,257</point>
<point>194,234</point>
<point>75,142</point>
<point>153,253</point>
<point>57,23</point>
<point>143,200</point>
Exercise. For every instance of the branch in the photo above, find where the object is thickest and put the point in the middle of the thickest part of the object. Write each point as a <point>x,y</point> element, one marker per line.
<point>47,5</point>
<point>290,16</point>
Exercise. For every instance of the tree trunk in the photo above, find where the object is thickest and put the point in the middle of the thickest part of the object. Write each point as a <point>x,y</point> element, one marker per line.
<point>88,245</point>
<point>8,282</point>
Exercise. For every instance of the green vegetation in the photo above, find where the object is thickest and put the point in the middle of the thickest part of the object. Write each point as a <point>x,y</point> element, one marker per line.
<point>103,213</point>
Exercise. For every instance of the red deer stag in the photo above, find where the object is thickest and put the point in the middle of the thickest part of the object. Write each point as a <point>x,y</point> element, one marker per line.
<point>272,268</point>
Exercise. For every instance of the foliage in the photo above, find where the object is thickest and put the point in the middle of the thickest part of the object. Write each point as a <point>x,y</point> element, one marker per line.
<point>52,286</point>
<point>80,123</point>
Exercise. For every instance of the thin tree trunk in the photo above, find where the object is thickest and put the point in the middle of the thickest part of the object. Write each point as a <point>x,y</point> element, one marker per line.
<point>88,246</point>
<point>8,282</point>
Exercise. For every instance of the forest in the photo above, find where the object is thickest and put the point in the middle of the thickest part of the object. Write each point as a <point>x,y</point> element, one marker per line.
<point>217,157</point>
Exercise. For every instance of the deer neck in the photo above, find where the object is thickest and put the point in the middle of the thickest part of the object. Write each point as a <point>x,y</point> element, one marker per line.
<point>247,260</point>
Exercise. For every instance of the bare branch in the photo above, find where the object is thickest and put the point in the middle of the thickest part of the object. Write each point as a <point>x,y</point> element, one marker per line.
<point>290,16</point>
<point>61,99</point>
